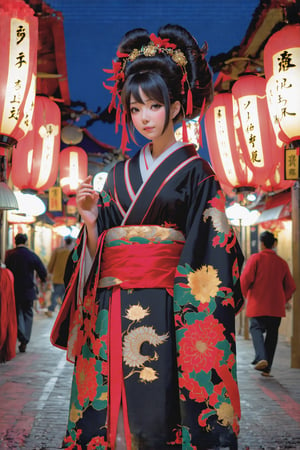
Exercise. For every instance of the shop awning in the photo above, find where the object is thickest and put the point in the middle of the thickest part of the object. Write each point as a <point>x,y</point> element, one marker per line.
<point>277,207</point>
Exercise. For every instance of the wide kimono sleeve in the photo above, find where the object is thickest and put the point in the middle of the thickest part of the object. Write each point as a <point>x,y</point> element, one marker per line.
<point>207,295</point>
<point>66,331</point>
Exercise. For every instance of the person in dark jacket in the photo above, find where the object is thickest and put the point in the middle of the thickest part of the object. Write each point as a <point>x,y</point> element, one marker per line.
<point>24,263</point>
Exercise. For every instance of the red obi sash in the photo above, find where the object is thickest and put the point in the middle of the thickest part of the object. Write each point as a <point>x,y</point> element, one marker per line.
<point>140,265</point>
<point>130,266</point>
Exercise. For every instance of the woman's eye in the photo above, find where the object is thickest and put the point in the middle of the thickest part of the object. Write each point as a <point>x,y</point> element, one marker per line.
<point>133,110</point>
<point>156,106</point>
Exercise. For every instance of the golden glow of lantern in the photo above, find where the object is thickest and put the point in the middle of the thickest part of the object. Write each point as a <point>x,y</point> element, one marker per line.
<point>273,110</point>
<point>73,167</point>
<point>224,148</point>
<point>250,123</point>
<point>263,152</point>
<point>73,179</point>
<point>224,144</point>
<point>48,134</point>
<point>282,70</point>
<point>35,159</point>
<point>18,54</point>
<point>17,74</point>
<point>255,131</point>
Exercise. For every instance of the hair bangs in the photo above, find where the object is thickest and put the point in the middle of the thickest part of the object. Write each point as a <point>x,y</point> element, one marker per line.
<point>153,86</point>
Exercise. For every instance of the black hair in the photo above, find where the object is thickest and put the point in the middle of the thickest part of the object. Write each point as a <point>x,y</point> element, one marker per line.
<point>267,238</point>
<point>160,76</point>
<point>153,85</point>
<point>68,240</point>
<point>21,238</point>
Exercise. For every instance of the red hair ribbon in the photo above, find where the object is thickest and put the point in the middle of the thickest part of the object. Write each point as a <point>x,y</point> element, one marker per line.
<point>184,132</point>
<point>189,104</point>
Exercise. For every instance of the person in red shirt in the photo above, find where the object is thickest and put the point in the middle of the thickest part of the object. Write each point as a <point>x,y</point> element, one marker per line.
<point>268,285</point>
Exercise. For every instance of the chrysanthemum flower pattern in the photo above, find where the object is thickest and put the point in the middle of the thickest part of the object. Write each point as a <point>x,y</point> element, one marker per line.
<point>86,379</point>
<point>198,349</point>
<point>137,312</point>
<point>204,283</point>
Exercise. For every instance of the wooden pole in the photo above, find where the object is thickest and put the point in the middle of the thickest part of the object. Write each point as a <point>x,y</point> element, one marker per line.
<point>295,340</point>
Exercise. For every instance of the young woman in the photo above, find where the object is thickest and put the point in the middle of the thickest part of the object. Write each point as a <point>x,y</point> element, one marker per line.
<point>152,328</point>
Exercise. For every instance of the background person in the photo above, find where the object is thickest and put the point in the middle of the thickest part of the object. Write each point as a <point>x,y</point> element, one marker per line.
<point>56,268</point>
<point>24,264</point>
<point>268,285</point>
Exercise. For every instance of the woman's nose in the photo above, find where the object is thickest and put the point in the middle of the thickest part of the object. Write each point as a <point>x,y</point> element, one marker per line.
<point>144,116</point>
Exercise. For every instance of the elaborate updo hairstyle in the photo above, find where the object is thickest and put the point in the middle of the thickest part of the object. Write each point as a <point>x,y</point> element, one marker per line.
<point>168,67</point>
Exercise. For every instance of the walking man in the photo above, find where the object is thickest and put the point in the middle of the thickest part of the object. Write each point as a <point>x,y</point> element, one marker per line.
<point>24,263</point>
<point>268,285</point>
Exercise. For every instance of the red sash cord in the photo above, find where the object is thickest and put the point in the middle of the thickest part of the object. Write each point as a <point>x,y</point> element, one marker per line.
<point>140,265</point>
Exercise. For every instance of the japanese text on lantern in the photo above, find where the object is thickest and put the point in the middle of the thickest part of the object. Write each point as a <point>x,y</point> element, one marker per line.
<point>29,106</point>
<point>17,72</point>
<point>285,79</point>
<point>47,133</point>
<point>221,128</point>
<point>251,129</point>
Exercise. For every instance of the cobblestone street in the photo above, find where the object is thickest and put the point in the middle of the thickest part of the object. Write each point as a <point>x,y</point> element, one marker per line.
<point>35,389</point>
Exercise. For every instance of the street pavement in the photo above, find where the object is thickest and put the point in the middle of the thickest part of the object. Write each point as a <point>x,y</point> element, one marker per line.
<point>35,390</point>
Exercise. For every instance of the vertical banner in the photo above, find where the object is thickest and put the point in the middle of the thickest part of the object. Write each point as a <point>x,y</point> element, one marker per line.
<point>291,164</point>
<point>55,199</point>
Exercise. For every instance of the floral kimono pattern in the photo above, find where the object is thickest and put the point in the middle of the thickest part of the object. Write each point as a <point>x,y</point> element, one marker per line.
<point>154,327</point>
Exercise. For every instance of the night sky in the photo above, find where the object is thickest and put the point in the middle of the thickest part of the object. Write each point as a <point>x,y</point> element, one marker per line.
<point>94,28</point>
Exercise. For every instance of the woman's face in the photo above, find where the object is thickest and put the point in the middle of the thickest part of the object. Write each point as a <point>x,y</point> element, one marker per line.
<point>148,117</point>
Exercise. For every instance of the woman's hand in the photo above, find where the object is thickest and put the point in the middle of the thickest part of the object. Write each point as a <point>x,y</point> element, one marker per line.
<point>87,199</point>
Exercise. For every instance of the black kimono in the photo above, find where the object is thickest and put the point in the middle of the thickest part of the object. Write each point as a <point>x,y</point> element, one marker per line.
<point>153,327</point>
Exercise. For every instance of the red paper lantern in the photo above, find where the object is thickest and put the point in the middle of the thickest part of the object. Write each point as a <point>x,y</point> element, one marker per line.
<point>73,168</point>
<point>35,159</point>
<point>276,181</point>
<point>224,149</point>
<point>18,55</point>
<point>254,127</point>
<point>282,71</point>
